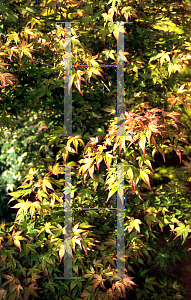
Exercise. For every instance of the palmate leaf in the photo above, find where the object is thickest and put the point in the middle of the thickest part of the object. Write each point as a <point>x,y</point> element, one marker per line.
<point>85,193</point>
<point>10,279</point>
<point>97,281</point>
<point>13,36</point>
<point>3,294</point>
<point>31,290</point>
<point>163,55</point>
<point>17,287</point>
<point>120,287</point>
<point>47,184</point>
<point>87,166</point>
<point>75,140</point>
<point>187,166</point>
<point>7,78</point>
<point>182,231</point>
<point>151,217</point>
<point>24,206</point>
<point>17,238</point>
<point>133,223</point>
<point>56,169</point>
<point>29,248</point>
<point>76,78</point>
<point>46,228</point>
<point>86,295</point>
<point>19,193</point>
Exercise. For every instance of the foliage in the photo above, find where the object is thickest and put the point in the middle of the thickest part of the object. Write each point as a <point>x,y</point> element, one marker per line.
<point>34,147</point>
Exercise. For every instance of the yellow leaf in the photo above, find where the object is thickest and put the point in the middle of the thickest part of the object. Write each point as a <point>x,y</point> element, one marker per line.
<point>17,244</point>
<point>145,178</point>
<point>47,184</point>
<point>130,175</point>
<point>61,252</point>
<point>142,143</point>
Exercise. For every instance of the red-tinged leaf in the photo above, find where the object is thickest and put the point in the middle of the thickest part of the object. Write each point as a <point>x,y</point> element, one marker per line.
<point>148,163</point>
<point>178,152</point>
<point>140,197</point>
<point>108,159</point>
<point>130,175</point>
<point>121,144</point>
<point>41,128</point>
<point>142,143</point>
<point>93,141</point>
<point>174,115</point>
<point>75,142</point>
<point>84,169</point>
<point>78,85</point>
<point>3,294</point>
<point>97,72</point>
<point>96,282</point>
<point>175,125</point>
<point>99,158</point>
<point>85,293</point>
<point>154,142</point>
<point>172,100</point>
<point>162,152</point>
<point>145,178</point>
<point>30,290</point>
<point>148,133</point>
<point>108,140</point>
<point>65,155</point>
<point>17,238</point>
<point>91,171</point>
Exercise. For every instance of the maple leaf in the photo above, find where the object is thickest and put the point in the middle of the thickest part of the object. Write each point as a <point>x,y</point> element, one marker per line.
<point>187,166</point>
<point>7,78</point>
<point>3,294</point>
<point>75,140</point>
<point>97,281</point>
<point>56,169</point>
<point>17,238</point>
<point>47,184</point>
<point>17,287</point>
<point>182,231</point>
<point>30,290</point>
<point>93,141</point>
